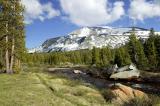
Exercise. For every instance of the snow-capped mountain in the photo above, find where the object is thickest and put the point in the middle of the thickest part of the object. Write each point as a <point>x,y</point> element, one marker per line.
<point>87,37</point>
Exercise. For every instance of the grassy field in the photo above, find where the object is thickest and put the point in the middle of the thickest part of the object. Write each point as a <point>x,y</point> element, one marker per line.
<point>39,89</point>
<point>34,87</point>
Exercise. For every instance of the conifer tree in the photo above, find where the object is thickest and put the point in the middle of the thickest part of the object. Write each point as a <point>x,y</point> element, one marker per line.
<point>150,50</point>
<point>122,57</point>
<point>126,60</point>
<point>118,58</point>
<point>136,51</point>
<point>86,56</point>
<point>157,45</point>
<point>105,56</point>
<point>95,56</point>
<point>4,30</point>
<point>12,32</point>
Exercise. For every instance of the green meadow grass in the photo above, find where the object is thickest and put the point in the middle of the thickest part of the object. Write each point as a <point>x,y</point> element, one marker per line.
<point>34,87</point>
<point>40,89</point>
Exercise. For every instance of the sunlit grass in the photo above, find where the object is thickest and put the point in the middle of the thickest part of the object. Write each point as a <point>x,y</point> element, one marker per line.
<point>74,91</point>
<point>26,90</point>
<point>40,89</point>
<point>34,87</point>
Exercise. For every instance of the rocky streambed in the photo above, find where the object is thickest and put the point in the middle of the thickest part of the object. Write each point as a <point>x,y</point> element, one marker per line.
<point>146,84</point>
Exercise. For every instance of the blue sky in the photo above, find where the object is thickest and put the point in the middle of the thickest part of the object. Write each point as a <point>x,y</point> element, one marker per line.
<point>51,18</point>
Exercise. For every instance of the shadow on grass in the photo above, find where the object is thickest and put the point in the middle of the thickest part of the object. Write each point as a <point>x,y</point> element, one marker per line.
<point>101,85</point>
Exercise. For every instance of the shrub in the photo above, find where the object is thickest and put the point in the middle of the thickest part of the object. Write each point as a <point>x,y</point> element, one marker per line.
<point>138,102</point>
<point>108,95</point>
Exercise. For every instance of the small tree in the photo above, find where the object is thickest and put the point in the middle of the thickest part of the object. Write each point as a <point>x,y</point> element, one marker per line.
<point>95,56</point>
<point>105,55</point>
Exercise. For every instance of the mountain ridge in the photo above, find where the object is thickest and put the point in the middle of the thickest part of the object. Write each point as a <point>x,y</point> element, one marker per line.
<point>87,37</point>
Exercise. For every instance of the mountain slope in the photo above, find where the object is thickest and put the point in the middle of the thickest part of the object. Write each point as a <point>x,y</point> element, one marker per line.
<point>87,37</point>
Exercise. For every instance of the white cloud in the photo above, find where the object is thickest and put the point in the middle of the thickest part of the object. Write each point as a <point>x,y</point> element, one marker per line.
<point>92,12</point>
<point>35,10</point>
<point>142,9</point>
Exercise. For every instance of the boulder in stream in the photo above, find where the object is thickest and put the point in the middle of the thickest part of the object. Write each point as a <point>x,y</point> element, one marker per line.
<point>78,72</point>
<point>126,72</point>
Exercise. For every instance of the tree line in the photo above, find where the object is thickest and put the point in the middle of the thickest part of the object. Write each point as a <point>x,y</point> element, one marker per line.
<point>12,43</point>
<point>144,54</point>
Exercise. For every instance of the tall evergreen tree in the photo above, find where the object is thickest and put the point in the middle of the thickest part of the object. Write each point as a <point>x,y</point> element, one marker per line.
<point>150,50</point>
<point>105,55</point>
<point>95,56</point>
<point>11,20</point>
<point>118,58</point>
<point>122,57</point>
<point>136,51</point>
<point>157,45</point>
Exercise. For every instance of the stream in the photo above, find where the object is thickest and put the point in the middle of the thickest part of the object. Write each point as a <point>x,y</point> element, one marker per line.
<point>153,88</point>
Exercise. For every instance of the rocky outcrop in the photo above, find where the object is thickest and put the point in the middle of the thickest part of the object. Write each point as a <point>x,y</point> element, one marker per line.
<point>124,93</point>
<point>126,72</point>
